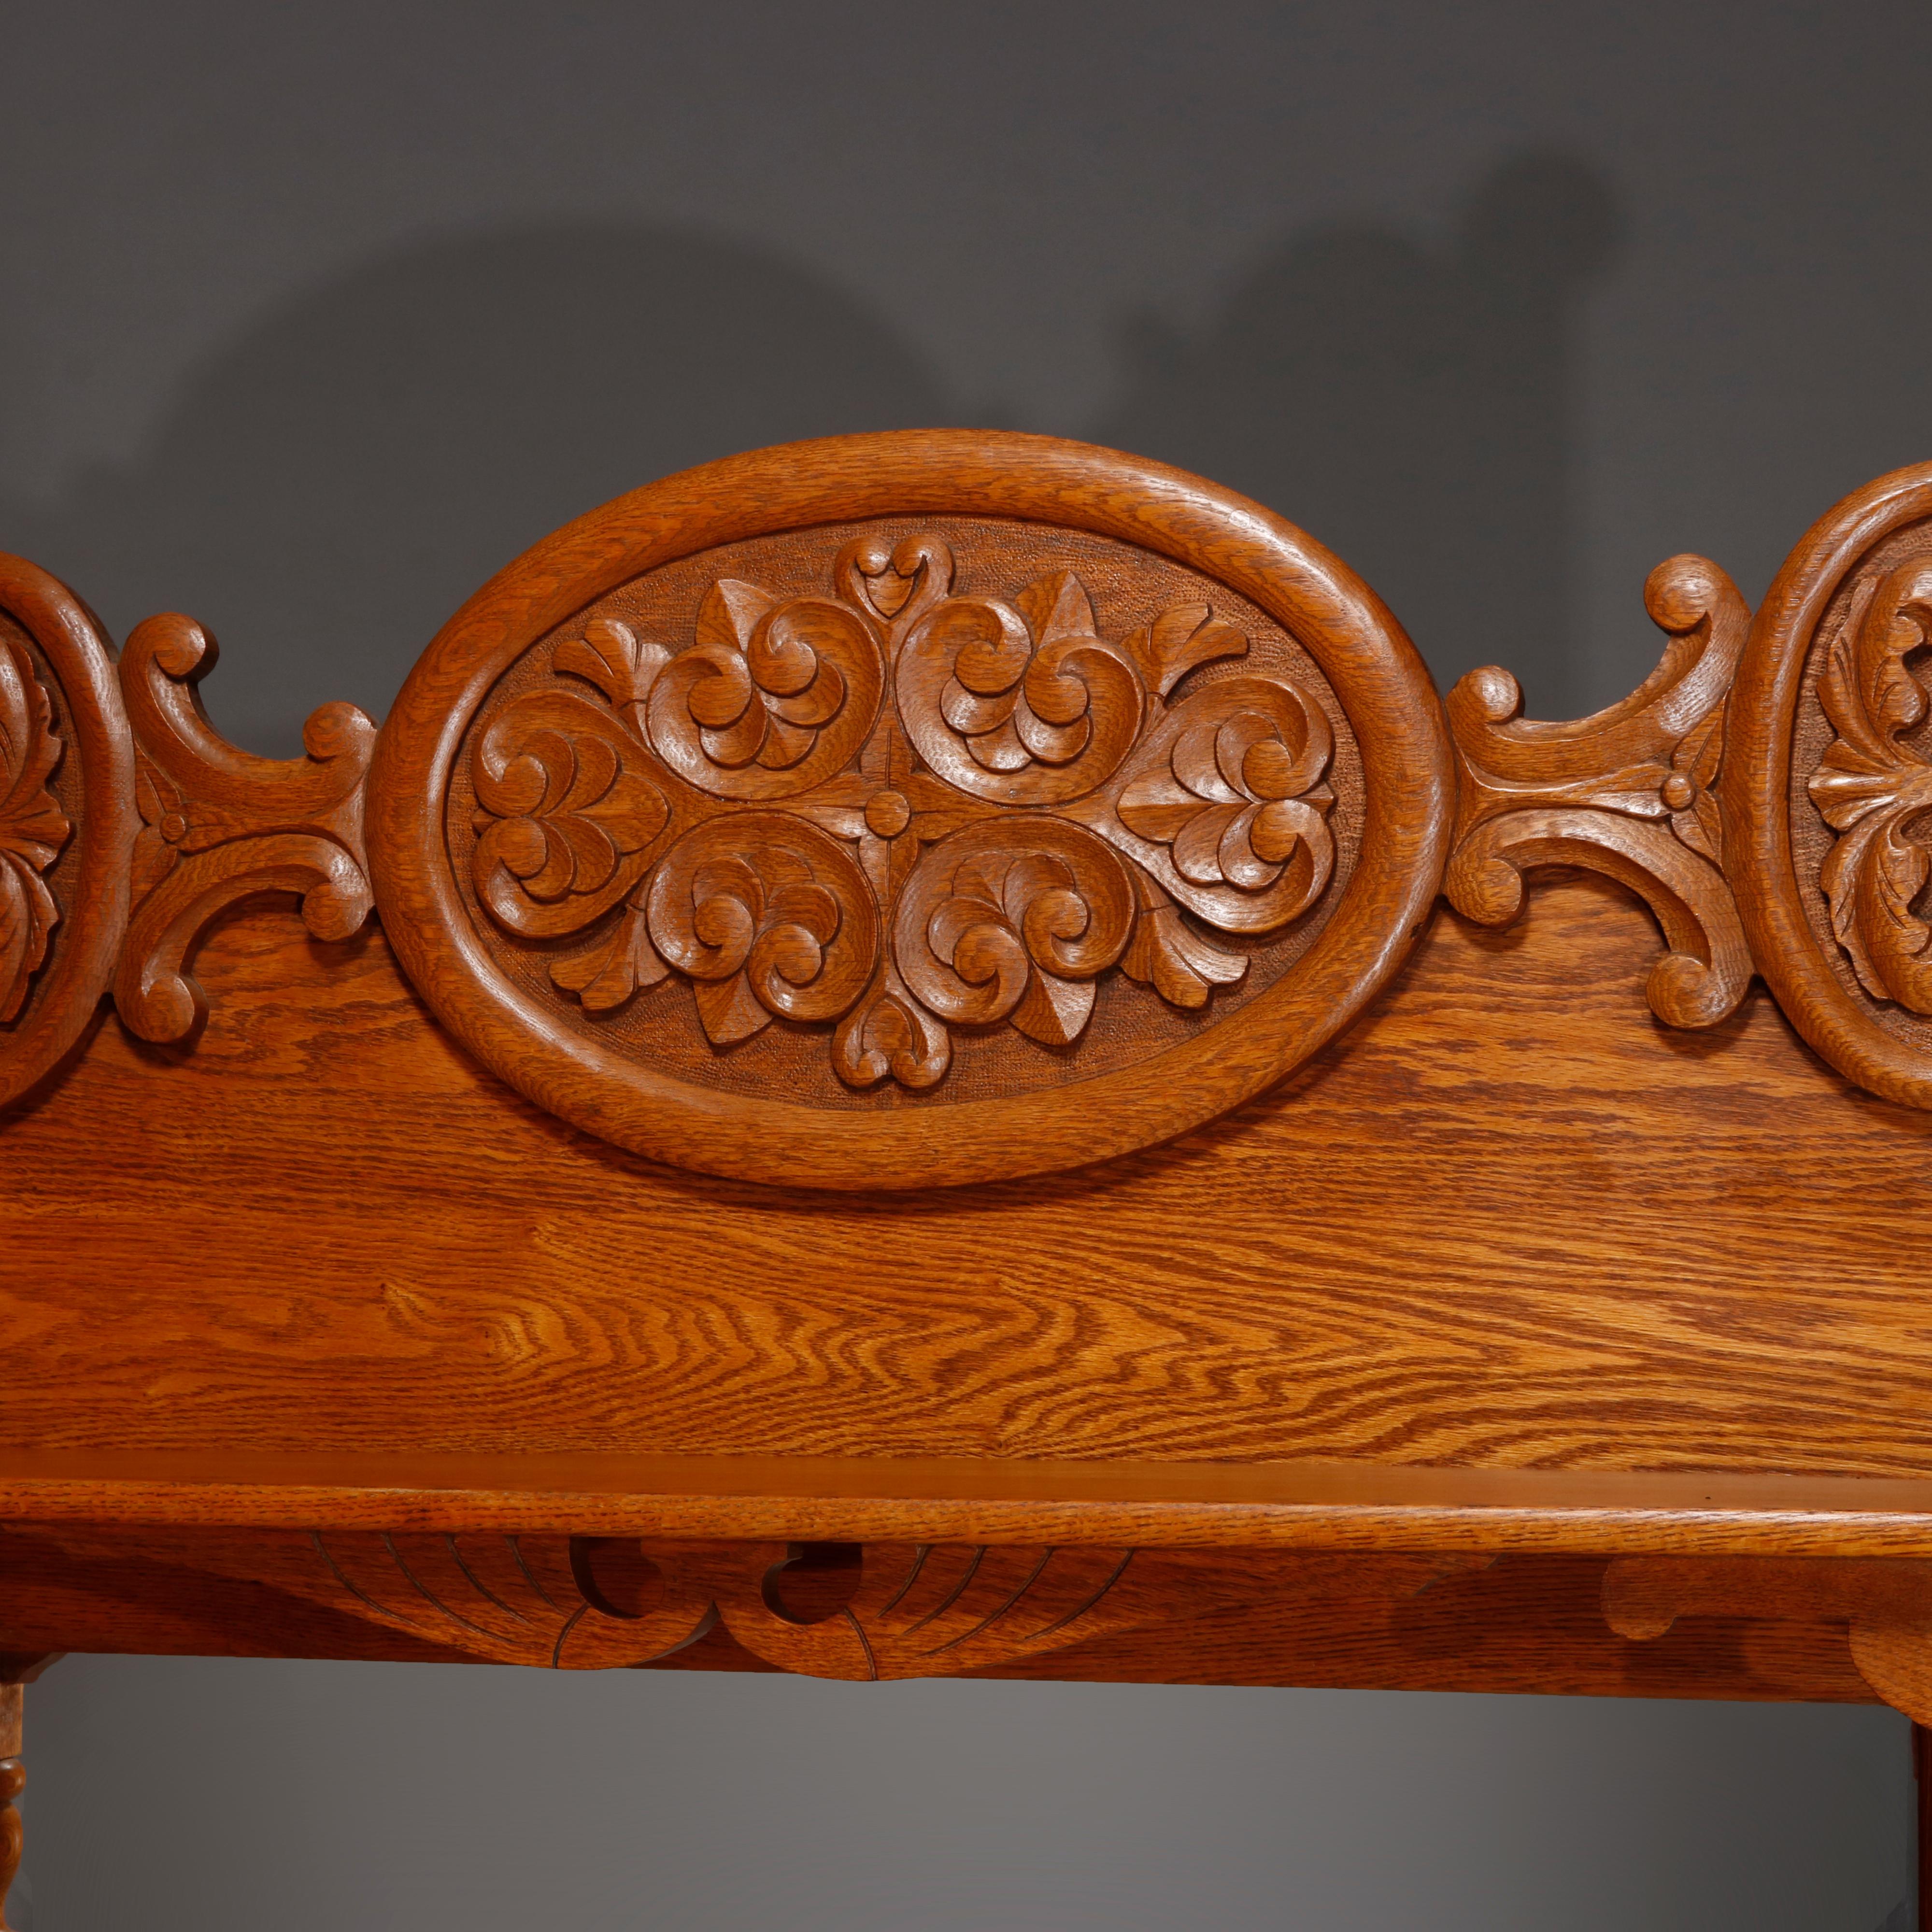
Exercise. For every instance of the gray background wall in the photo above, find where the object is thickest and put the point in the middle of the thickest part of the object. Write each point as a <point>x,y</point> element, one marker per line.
<point>312,317</point>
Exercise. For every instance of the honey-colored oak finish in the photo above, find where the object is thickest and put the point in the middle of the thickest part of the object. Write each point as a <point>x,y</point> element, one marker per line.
<point>906,1109</point>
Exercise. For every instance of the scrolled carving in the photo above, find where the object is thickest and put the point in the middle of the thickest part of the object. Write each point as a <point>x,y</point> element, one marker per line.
<point>222,824</point>
<point>773,695</point>
<point>874,1611</point>
<point>1874,788</point>
<point>1023,702</point>
<point>1629,792</point>
<point>33,829</point>
<point>567,820</point>
<point>1015,921</point>
<point>1227,807</point>
<point>888,1035</point>
<point>689,823</point>
<point>768,917</point>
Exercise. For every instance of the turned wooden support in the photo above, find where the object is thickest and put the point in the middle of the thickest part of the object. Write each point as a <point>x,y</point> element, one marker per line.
<point>16,1674</point>
<point>12,1777</point>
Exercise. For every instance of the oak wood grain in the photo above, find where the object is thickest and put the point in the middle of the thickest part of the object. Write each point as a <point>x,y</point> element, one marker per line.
<point>1340,1504</point>
<point>1509,1222</point>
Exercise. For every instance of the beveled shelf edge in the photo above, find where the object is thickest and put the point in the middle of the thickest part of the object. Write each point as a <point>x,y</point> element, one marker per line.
<point>1330,1505</point>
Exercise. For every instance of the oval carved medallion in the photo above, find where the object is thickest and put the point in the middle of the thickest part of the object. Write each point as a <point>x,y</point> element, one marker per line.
<point>1829,784</point>
<point>908,809</point>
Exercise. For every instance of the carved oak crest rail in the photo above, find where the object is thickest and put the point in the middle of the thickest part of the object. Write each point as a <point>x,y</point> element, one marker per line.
<point>947,811</point>
<point>1091,774</point>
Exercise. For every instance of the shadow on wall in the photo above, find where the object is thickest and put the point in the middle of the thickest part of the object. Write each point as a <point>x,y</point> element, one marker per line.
<point>327,490</point>
<point>1414,408</point>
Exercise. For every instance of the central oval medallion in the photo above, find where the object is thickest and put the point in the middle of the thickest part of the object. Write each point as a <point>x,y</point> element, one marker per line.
<point>904,810</point>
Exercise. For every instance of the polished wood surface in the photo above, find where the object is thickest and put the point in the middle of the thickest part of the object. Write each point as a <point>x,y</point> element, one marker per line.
<point>1629,792</point>
<point>1425,1621</point>
<point>1357,1504</point>
<point>219,826</point>
<point>67,822</point>
<point>1537,1229</point>
<point>1828,781</point>
<point>870,1083</point>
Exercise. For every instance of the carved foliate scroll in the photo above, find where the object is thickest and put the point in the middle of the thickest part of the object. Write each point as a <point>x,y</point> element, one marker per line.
<point>33,828</point>
<point>219,825</point>
<point>890,808</point>
<point>1873,785</point>
<point>1769,790</point>
<point>944,807</point>
<point>1629,792</point>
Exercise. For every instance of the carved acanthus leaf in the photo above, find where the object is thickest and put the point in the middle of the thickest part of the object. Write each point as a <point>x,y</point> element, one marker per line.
<point>621,962</point>
<point>1875,788</point>
<point>33,829</point>
<point>1627,792</point>
<point>1165,953</point>
<point>624,667</point>
<point>1183,637</point>
<point>221,824</point>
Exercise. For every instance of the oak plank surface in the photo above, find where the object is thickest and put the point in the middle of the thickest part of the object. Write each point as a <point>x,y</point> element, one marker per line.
<point>1508,1221</point>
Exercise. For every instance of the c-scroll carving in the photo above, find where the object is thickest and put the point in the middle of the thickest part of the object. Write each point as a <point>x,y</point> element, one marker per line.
<point>773,695</point>
<point>1627,792</point>
<point>1874,788</point>
<point>998,739</point>
<point>221,824</point>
